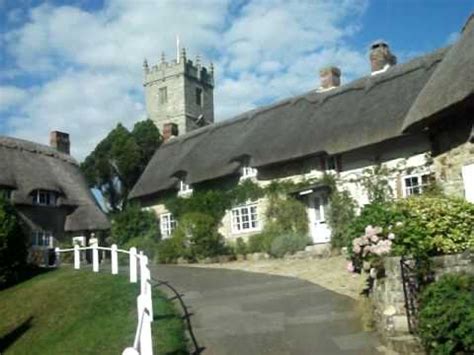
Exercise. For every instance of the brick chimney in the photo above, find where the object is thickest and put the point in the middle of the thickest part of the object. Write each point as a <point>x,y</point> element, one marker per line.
<point>329,78</point>
<point>60,141</point>
<point>170,130</point>
<point>380,57</point>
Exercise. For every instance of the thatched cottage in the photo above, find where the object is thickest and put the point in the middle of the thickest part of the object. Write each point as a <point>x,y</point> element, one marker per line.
<point>415,119</point>
<point>49,192</point>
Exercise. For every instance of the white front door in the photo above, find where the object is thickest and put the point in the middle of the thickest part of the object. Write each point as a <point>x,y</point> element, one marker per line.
<point>319,229</point>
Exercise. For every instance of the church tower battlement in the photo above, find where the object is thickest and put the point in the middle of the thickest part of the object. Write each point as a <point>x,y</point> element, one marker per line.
<point>179,93</point>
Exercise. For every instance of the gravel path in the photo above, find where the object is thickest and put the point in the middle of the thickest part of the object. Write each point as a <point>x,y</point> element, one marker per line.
<point>330,273</point>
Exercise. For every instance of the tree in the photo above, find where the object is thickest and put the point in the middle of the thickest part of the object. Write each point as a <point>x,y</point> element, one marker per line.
<point>117,162</point>
<point>13,244</point>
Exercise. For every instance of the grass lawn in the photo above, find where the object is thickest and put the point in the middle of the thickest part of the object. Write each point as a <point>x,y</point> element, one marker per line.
<point>81,312</point>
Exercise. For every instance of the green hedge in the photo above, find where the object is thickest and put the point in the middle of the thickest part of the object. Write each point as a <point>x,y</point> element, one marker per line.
<point>446,318</point>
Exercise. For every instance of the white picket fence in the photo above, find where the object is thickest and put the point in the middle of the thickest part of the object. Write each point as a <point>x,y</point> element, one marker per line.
<point>142,344</point>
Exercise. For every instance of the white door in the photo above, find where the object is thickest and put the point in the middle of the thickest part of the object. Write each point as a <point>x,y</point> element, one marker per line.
<point>468,179</point>
<point>319,228</point>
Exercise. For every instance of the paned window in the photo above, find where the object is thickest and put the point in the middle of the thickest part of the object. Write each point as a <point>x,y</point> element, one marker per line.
<point>332,163</point>
<point>42,239</point>
<point>245,219</point>
<point>184,189</point>
<point>163,95</point>
<point>167,224</point>
<point>415,184</point>
<point>199,96</point>
<point>248,172</point>
<point>44,198</point>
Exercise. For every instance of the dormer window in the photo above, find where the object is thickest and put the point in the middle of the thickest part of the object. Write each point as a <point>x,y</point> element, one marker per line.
<point>248,172</point>
<point>184,189</point>
<point>44,198</point>
<point>332,163</point>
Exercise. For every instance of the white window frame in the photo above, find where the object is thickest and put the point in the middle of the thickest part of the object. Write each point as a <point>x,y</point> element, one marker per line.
<point>184,189</point>
<point>249,172</point>
<point>44,198</point>
<point>244,220</point>
<point>409,190</point>
<point>167,225</point>
<point>43,239</point>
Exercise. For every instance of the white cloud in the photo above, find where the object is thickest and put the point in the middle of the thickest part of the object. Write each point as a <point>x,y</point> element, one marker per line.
<point>11,96</point>
<point>90,63</point>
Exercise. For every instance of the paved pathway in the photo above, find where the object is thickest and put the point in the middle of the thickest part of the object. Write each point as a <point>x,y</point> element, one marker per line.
<point>242,313</point>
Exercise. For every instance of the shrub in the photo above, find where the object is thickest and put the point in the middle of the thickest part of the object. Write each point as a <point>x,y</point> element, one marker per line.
<point>261,243</point>
<point>13,244</point>
<point>421,225</point>
<point>434,225</point>
<point>446,318</point>
<point>288,244</point>
<point>146,244</point>
<point>341,214</point>
<point>286,216</point>
<point>240,247</point>
<point>133,222</point>
<point>171,249</point>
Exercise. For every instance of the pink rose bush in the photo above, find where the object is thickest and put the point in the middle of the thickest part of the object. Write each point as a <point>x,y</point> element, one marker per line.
<point>371,246</point>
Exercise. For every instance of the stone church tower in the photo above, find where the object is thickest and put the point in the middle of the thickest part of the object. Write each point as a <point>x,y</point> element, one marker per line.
<point>179,95</point>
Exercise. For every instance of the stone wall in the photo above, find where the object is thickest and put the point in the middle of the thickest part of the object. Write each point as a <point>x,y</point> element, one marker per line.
<point>388,296</point>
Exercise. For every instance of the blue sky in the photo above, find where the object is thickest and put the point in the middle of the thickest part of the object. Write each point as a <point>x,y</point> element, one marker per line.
<point>75,66</point>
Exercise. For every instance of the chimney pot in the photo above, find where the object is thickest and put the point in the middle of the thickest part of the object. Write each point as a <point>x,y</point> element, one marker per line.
<point>380,56</point>
<point>60,141</point>
<point>170,130</point>
<point>330,77</point>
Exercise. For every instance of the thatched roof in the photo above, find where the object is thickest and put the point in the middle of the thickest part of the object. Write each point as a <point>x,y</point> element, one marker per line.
<point>26,166</point>
<point>451,84</point>
<point>366,111</point>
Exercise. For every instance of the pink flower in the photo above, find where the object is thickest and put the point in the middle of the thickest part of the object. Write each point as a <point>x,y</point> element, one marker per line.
<point>369,230</point>
<point>374,238</point>
<point>356,249</point>
<point>350,266</point>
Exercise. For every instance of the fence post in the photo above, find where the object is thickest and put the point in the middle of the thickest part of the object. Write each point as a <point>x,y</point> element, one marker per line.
<point>95,257</point>
<point>146,344</point>
<point>133,265</point>
<point>143,264</point>
<point>114,259</point>
<point>77,257</point>
<point>58,256</point>
<point>149,299</point>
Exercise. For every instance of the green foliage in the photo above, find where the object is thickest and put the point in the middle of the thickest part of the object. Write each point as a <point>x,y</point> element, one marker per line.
<point>376,182</point>
<point>341,215</point>
<point>171,249</point>
<point>13,244</point>
<point>446,318</point>
<point>147,244</point>
<point>195,238</point>
<point>241,247</point>
<point>288,243</point>
<point>422,225</point>
<point>286,216</point>
<point>133,223</point>
<point>119,159</point>
<point>261,242</point>
<point>434,225</point>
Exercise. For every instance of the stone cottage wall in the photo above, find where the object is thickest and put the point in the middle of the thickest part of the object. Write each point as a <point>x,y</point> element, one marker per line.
<point>388,297</point>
